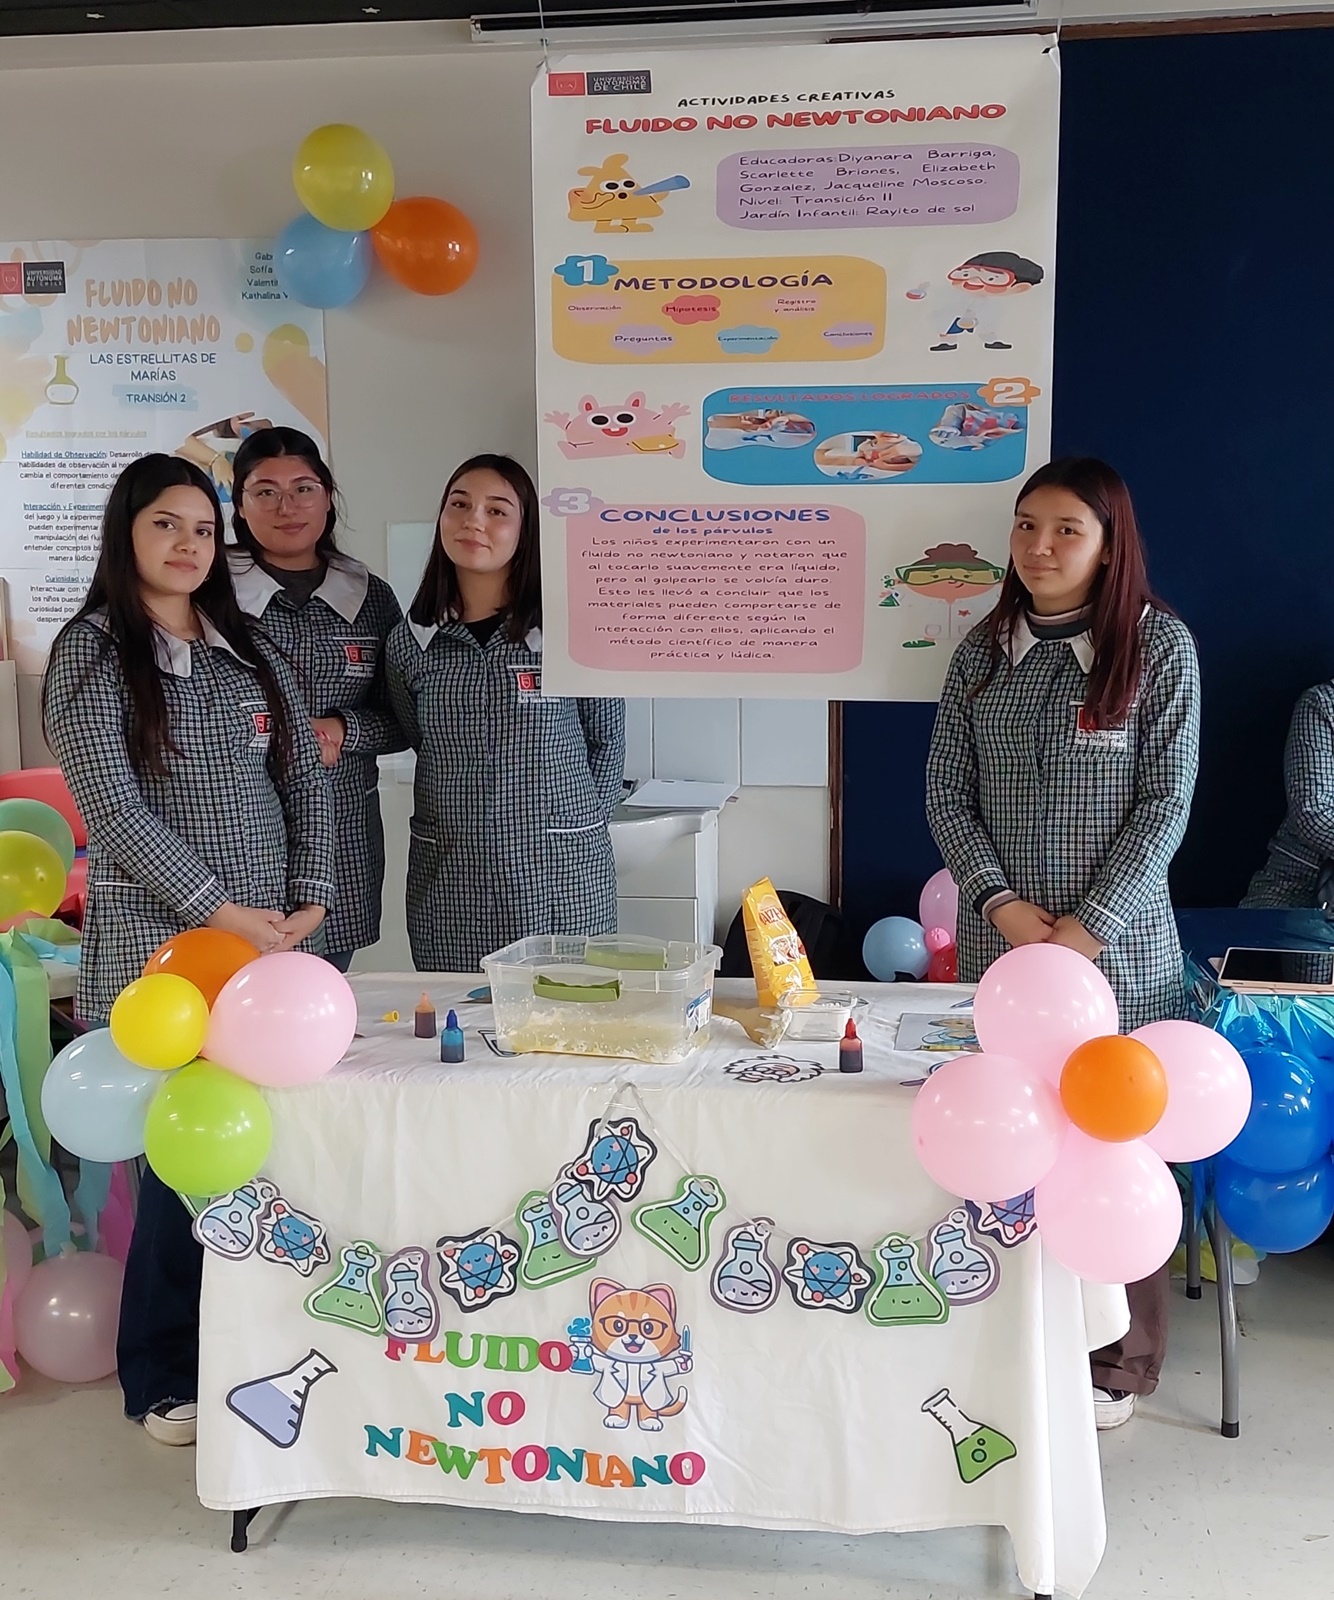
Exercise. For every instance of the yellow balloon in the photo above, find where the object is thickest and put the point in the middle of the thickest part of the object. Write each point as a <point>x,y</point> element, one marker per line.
<point>32,876</point>
<point>159,1021</point>
<point>343,177</point>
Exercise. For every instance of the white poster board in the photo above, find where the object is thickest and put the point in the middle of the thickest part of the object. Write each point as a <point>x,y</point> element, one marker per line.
<point>110,350</point>
<point>794,328</point>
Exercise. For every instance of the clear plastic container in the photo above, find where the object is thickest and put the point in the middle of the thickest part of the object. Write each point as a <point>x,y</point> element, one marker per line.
<point>620,995</point>
<point>818,1014</point>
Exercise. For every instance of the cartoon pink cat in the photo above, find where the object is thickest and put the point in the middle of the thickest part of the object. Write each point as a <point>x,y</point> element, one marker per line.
<point>629,429</point>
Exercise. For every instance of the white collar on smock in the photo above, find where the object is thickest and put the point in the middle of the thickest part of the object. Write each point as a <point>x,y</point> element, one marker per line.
<point>172,654</point>
<point>343,590</point>
<point>424,632</point>
<point>1022,639</point>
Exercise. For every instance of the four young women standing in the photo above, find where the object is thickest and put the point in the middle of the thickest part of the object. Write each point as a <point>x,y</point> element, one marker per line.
<point>194,738</point>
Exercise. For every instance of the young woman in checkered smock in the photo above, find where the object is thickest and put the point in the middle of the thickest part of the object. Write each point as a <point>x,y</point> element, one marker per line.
<point>183,739</point>
<point>330,616</point>
<point>1060,777</point>
<point>1302,851</point>
<point>514,790</point>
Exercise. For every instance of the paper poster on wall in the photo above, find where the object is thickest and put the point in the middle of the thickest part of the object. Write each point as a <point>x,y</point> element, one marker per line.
<point>794,328</point>
<point>110,350</point>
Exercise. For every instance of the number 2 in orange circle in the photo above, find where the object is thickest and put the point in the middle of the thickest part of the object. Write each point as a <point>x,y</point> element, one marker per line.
<point>1009,392</point>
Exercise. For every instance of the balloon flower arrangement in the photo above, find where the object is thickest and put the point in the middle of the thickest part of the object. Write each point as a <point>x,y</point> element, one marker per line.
<point>924,949</point>
<point>1061,1104</point>
<point>345,181</point>
<point>178,1075</point>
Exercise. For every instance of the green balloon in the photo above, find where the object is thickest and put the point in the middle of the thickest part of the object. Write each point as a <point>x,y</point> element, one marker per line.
<point>207,1131</point>
<point>35,816</point>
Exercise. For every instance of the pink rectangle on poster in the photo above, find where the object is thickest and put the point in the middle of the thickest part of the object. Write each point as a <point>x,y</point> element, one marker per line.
<point>716,588</point>
<point>869,186</point>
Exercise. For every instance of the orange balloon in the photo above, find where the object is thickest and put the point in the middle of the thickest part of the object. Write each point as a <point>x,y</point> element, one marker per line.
<point>427,244</point>
<point>1114,1089</point>
<point>205,957</point>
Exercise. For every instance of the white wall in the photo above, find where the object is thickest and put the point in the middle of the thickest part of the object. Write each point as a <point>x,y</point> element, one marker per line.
<point>151,145</point>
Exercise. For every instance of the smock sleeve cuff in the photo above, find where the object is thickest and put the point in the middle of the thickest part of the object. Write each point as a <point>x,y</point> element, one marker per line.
<point>310,892</point>
<point>1105,926</point>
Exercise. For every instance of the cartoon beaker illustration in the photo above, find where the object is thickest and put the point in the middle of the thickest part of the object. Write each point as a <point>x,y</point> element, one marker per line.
<point>977,1448</point>
<point>276,1406</point>
<point>62,389</point>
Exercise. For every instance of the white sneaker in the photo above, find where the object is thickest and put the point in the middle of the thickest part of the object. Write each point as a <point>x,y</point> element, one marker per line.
<point>1112,1408</point>
<point>170,1424</point>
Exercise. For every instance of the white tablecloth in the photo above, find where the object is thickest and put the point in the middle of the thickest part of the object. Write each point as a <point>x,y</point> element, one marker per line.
<point>797,1417</point>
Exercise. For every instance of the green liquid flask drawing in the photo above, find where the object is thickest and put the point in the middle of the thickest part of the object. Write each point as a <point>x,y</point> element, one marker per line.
<point>907,1294</point>
<point>977,1448</point>
<point>352,1299</point>
<point>62,389</point>
<point>545,1259</point>
<point>680,1226</point>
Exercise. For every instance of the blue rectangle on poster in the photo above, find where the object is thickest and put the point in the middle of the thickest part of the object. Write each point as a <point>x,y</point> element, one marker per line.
<point>886,434</point>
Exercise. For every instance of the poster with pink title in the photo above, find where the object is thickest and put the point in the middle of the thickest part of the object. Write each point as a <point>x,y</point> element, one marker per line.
<point>794,332</point>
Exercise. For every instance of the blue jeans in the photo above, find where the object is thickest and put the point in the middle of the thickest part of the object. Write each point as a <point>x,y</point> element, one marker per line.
<point>342,959</point>
<point>157,1348</point>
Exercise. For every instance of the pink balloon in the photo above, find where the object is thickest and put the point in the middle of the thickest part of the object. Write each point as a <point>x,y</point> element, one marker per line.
<point>66,1318</point>
<point>987,1128</point>
<point>1111,1213</point>
<point>939,905</point>
<point>1208,1090</point>
<point>1038,1002</point>
<point>18,1253</point>
<point>283,1020</point>
<point>936,939</point>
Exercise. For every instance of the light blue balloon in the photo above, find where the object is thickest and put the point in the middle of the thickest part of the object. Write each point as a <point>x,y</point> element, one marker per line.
<point>894,946</point>
<point>320,266</point>
<point>95,1101</point>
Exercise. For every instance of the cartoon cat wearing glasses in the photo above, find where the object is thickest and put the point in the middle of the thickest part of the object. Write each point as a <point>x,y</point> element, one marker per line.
<point>635,1349</point>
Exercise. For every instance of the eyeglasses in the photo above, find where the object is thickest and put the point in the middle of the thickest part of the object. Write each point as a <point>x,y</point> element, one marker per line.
<point>270,499</point>
<point>646,1327</point>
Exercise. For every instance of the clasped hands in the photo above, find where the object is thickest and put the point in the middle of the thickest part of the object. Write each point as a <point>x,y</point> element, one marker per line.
<point>1021,922</point>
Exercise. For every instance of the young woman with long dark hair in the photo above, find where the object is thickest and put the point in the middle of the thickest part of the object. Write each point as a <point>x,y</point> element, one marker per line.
<point>183,739</point>
<point>1060,778</point>
<point>514,790</point>
<point>331,616</point>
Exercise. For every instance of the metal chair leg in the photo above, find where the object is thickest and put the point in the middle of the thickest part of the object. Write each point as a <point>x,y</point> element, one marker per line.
<point>1194,1291</point>
<point>1221,1238</point>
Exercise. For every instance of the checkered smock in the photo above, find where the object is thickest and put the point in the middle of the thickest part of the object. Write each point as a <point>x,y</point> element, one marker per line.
<point>164,853</point>
<point>336,643</point>
<point>513,796</point>
<point>1081,822</point>
<point>1305,839</point>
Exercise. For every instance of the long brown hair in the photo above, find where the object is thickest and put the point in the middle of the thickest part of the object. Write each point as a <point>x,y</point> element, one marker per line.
<point>116,590</point>
<point>1117,600</point>
<point>438,598</point>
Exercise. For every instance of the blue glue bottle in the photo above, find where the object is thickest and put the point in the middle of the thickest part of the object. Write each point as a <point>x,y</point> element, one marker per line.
<point>451,1041</point>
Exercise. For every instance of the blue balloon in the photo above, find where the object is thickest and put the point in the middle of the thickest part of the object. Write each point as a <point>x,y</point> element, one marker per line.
<point>95,1101</point>
<point>1291,1121</point>
<point>1275,1214</point>
<point>895,946</point>
<point>320,266</point>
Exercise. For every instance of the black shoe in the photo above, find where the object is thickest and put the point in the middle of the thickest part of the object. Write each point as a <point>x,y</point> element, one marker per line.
<point>997,345</point>
<point>944,347</point>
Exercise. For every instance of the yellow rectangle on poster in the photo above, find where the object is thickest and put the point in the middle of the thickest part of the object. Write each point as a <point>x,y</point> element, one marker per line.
<point>789,308</point>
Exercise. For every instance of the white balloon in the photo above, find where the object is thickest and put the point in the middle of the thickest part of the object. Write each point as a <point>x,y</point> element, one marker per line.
<point>95,1100</point>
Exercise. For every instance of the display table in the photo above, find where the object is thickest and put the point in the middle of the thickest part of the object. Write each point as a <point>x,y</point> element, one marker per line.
<point>706,1367</point>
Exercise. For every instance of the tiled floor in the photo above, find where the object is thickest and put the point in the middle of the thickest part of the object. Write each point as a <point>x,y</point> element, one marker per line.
<point>90,1507</point>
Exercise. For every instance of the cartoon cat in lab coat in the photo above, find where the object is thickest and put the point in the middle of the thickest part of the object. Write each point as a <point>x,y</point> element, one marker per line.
<point>635,1349</point>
